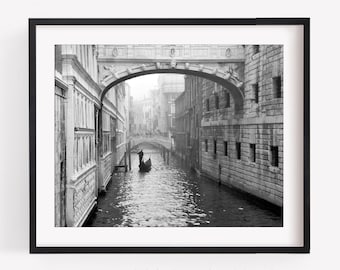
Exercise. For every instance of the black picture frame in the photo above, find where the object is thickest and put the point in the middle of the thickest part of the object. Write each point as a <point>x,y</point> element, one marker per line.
<point>305,22</point>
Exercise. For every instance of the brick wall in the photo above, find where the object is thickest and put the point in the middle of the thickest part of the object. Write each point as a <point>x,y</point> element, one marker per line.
<point>258,168</point>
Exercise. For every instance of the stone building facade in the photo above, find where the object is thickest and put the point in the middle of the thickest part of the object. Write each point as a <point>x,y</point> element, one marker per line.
<point>170,86</point>
<point>143,111</point>
<point>114,131</point>
<point>188,121</point>
<point>84,156</point>
<point>242,147</point>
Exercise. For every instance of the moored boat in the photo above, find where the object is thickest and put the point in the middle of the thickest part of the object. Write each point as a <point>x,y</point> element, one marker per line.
<point>145,166</point>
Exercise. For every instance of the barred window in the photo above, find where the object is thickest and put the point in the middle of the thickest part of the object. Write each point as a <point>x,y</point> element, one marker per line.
<point>217,102</point>
<point>227,100</point>
<point>252,149</point>
<point>277,87</point>
<point>238,150</point>
<point>274,153</point>
<point>225,148</point>
<point>256,92</point>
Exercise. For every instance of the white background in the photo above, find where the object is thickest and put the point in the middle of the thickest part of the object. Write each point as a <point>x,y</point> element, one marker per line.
<point>14,207</point>
<point>289,235</point>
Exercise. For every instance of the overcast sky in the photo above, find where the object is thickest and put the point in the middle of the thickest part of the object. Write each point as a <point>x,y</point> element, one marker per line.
<point>141,85</point>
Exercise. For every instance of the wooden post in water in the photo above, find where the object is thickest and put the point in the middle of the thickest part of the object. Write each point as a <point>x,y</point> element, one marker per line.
<point>125,161</point>
<point>129,153</point>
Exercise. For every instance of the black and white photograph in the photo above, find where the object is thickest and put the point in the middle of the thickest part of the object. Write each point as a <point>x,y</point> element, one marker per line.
<point>145,135</point>
<point>169,135</point>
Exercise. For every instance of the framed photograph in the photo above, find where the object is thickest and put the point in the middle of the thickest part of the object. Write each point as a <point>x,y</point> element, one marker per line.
<point>169,135</point>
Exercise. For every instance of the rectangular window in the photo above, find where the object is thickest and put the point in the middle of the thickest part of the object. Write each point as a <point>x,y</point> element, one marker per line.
<point>225,148</point>
<point>252,152</point>
<point>227,100</point>
<point>206,145</point>
<point>215,147</point>
<point>217,102</point>
<point>208,105</point>
<point>238,150</point>
<point>277,87</point>
<point>256,48</point>
<point>256,92</point>
<point>274,153</point>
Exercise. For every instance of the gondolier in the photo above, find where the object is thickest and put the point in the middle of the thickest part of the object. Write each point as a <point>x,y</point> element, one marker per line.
<point>143,166</point>
<point>140,154</point>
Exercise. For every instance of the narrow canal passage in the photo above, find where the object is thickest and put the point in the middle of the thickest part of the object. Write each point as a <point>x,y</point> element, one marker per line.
<point>170,195</point>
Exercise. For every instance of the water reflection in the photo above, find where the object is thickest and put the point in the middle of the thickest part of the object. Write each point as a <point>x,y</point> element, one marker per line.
<point>170,195</point>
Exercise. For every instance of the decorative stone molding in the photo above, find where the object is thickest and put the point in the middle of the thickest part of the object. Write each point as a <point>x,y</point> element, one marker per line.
<point>114,52</point>
<point>172,52</point>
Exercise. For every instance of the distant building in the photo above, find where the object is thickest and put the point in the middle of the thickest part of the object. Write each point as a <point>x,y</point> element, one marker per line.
<point>170,87</point>
<point>146,114</point>
<point>188,121</point>
<point>142,111</point>
<point>132,124</point>
<point>156,110</point>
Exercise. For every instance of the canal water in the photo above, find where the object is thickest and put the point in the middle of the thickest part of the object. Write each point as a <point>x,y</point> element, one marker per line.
<point>171,195</point>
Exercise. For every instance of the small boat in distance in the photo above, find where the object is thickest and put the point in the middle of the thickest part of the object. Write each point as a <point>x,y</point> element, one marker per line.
<point>145,166</point>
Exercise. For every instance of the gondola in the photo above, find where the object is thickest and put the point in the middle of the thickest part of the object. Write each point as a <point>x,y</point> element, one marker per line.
<point>145,166</point>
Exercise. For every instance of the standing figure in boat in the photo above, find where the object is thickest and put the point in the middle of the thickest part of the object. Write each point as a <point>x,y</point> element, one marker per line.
<point>140,154</point>
<point>144,166</point>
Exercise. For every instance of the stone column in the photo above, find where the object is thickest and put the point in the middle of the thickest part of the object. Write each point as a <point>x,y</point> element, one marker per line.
<point>100,148</point>
<point>70,154</point>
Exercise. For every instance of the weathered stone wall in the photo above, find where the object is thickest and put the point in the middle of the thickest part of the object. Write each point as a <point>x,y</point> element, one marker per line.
<point>84,196</point>
<point>89,154</point>
<point>60,157</point>
<point>106,169</point>
<point>188,121</point>
<point>259,178</point>
<point>259,129</point>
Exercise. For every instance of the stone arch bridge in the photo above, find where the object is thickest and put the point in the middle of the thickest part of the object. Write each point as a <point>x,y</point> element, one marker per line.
<point>157,141</point>
<point>223,64</point>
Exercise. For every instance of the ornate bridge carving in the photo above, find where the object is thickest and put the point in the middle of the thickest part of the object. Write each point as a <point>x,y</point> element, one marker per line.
<point>220,63</point>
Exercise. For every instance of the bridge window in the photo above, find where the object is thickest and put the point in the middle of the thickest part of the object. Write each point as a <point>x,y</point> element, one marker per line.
<point>208,105</point>
<point>274,153</point>
<point>217,102</point>
<point>256,92</point>
<point>206,145</point>
<point>277,87</point>
<point>252,149</point>
<point>256,49</point>
<point>238,150</point>
<point>227,100</point>
<point>225,148</point>
<point>215,148</point>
